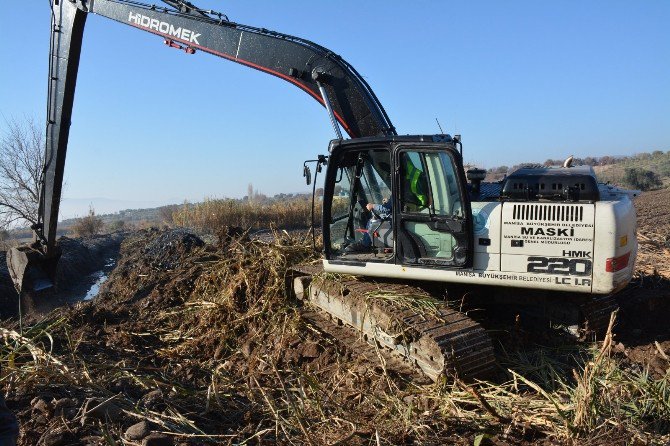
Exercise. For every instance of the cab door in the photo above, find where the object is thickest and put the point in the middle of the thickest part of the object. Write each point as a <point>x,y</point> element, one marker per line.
<point>432,215</point>
<point>357,176</point>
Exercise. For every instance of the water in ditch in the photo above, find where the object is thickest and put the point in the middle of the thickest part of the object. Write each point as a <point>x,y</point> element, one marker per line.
<point>96,280</point>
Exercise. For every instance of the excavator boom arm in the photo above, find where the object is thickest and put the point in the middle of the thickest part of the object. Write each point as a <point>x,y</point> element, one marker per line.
<point>316,70</point>
<point>311,67</point>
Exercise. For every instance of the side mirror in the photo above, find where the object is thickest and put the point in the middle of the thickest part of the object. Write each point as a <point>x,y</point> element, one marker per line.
<point>307,173</point>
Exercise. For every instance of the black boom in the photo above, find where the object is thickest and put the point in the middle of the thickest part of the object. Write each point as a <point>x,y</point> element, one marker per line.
<point>182,25</point>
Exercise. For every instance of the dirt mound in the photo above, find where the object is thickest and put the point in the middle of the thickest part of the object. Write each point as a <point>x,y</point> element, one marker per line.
<point>167,250</point>
<point>216,301</point>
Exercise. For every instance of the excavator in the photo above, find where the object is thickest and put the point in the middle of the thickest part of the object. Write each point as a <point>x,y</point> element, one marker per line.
<point>403,224</point>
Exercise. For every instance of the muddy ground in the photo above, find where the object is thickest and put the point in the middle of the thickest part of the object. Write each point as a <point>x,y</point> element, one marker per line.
<point>192,342</point>
<point>80,258</point>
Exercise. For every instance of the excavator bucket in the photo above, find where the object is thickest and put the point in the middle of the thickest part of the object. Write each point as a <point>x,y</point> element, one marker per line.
<point>30,270</point>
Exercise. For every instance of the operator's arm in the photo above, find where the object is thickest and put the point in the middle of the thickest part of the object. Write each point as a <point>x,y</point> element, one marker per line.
<point>385,208</point>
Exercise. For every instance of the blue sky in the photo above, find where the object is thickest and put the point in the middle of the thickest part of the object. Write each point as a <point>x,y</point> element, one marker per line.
<point>521,81</point>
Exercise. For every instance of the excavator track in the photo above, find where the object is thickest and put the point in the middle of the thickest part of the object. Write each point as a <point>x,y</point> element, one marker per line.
<point>358,347</point>
<point>405,321</point>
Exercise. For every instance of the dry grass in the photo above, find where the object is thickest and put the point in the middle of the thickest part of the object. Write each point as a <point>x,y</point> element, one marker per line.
<point>605,403</point>
<point>221,340</point>
<point>217,213</point>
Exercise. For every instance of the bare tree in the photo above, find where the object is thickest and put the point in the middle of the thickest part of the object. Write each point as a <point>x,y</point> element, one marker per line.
<point>166,213</point>
<point>21,165</point>
<point>89,225</point>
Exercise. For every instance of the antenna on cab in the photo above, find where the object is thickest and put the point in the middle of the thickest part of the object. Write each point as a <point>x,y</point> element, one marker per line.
<point>439,126</point>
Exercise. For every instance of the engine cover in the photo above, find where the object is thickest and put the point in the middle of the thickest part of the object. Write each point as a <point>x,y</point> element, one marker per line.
<point>552,183</point>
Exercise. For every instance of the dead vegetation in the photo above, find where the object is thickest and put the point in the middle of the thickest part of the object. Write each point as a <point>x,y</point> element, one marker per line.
<point>89,225</point>
<point>197,343</point>
<point>218,213</point>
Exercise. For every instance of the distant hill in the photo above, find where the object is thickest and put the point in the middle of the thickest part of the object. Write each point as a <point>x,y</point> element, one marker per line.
<point>126,218</point>
<point>619,172</point>
<point>78,207</point>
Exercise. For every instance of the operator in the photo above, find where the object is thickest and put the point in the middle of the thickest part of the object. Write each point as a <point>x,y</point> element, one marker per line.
<point>415,187</point>
<point>9,428</point>
<point>416,198</point>
<point>384,211</point>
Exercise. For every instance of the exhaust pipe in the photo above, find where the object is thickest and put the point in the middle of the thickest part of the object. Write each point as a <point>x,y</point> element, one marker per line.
<point>475,176</point>
<point>30,269</point>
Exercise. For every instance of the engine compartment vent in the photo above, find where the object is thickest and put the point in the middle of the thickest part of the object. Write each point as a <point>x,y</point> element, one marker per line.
<point>548,212</point>
<point>552,184</point>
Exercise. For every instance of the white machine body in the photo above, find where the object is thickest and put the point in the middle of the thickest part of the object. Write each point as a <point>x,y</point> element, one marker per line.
<point>583,247</point>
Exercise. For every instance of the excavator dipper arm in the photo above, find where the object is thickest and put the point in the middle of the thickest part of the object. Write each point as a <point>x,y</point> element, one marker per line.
<point>316,70</point>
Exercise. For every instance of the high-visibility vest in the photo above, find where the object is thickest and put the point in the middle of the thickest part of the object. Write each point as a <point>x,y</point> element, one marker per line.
<point>413,175</point>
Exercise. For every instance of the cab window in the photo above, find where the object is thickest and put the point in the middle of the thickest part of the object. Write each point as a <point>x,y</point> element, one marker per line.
<point>362,177</point>
<point>429,197</point>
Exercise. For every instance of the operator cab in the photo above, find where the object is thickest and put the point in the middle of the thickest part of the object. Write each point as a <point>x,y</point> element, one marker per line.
<point>419,213</point>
